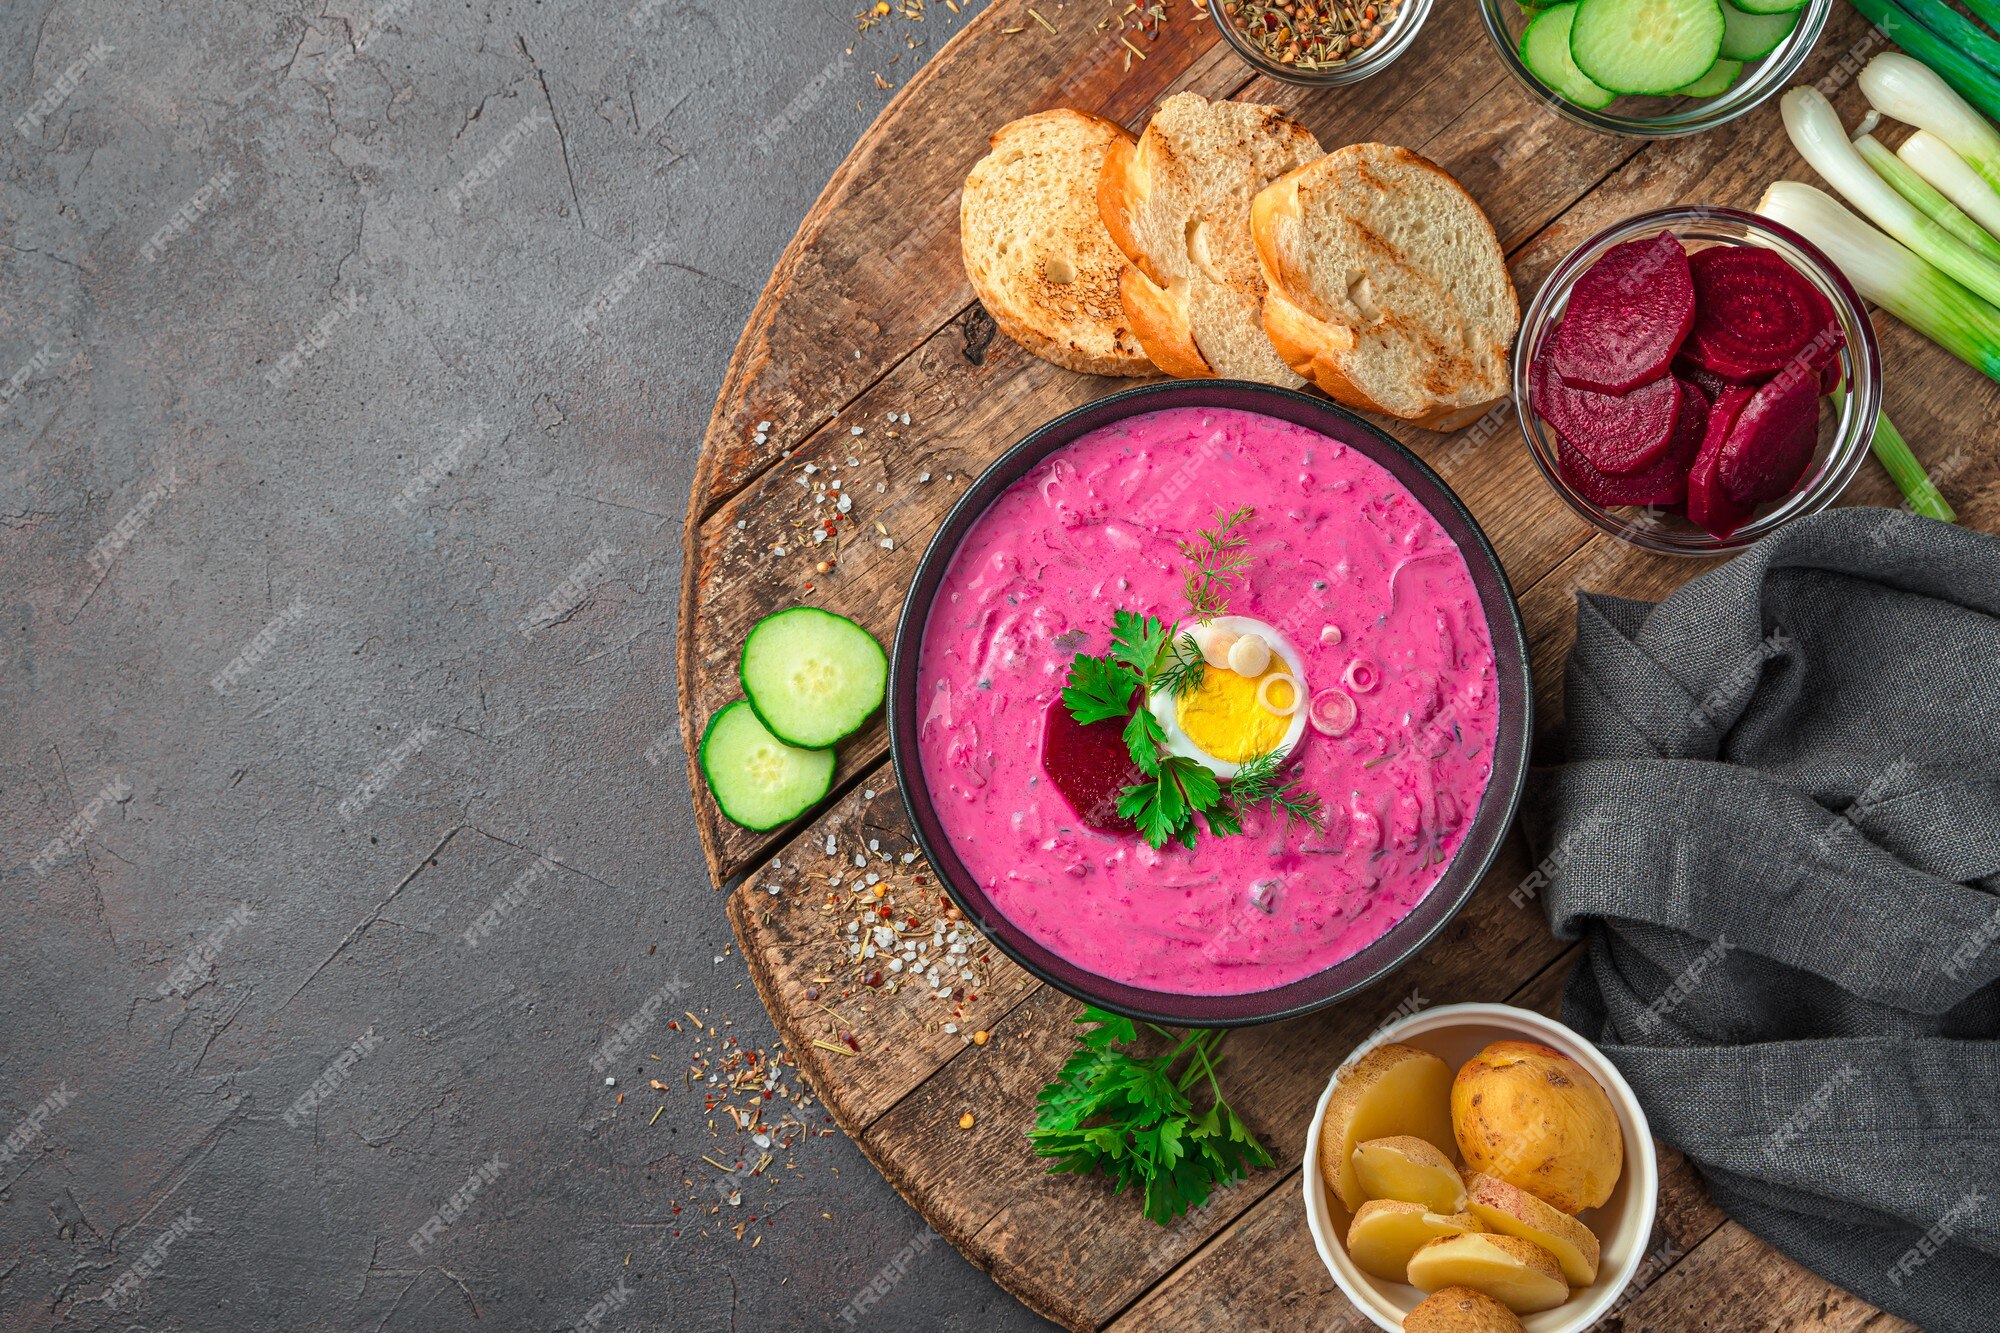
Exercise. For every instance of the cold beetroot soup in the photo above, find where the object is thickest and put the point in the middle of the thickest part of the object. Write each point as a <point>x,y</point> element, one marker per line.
<point>1367,699</point>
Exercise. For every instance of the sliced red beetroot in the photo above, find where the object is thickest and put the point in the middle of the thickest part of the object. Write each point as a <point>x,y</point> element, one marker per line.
<point>1627,316</point>
<point>1090,765</point>
<point>1773,440</point>
<point>1617,433</point>
<point>1662,484</point>
<point>1695,373</point>
<point>1709,506</point>
<point>1755,313</point>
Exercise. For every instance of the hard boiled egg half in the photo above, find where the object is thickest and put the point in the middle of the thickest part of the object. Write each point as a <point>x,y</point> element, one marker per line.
<point>1243,707</point>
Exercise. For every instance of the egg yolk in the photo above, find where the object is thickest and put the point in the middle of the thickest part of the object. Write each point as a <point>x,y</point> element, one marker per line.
<point>1223,718</point>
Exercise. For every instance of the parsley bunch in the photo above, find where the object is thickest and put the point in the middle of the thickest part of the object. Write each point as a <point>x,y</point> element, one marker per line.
<point>1131,1117</point>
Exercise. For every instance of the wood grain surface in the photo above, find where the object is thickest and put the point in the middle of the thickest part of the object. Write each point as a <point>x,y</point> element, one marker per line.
<point>867,318</point>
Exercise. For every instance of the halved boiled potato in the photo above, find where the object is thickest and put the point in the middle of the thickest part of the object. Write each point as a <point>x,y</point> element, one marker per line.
<point>1519,1274</point>
<point>1512,1211</point>
<point>1407,1168</point>
<point>1393,1089</point>
<point>1461,1310</point>
<point>1386,1232</point>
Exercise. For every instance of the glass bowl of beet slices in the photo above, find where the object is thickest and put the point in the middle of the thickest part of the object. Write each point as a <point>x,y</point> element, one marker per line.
<point>1653,68</point>
<point>1693,379</point>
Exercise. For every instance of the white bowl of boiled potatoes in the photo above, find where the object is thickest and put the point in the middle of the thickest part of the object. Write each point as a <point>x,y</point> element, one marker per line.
<point>1478,1168</point>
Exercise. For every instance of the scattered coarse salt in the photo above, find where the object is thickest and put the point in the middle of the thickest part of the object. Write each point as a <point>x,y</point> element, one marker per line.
<point>610,1082</point>
<point>881,486</point>
<point>829,844</point>
<point>923,476</point>
<point>853,927</point>
<point>760,438</point>
<point>819,535</point>
<point>857,430</point>
<point>811,468</point>
<point>906,418</point>
<point>895,964</point>
<point>874,844</point>
<point>873,878</point>
<point>854,462</point>
<point>909,857</point>
<point>887,543</point>
<point>779,550</point>
<point>742,523</point>
<point>771,889</point>
<point>763,425</point>
<point>833,486</point>
<point>845,503</point>
<point>868,794</point>
<point>860,860</point>
<point>950,1029</point>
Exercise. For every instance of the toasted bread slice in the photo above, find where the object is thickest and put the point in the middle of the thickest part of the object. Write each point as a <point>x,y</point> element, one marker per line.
<point>1178,204</point>
<point>1388,288</point>
<point>1036,250</point>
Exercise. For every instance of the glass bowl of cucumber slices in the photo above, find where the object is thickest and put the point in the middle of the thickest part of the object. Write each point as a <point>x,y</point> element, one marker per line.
<point>1654,69</point>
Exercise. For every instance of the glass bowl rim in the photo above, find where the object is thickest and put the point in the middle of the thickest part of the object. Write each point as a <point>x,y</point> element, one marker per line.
<point>1378,58</point>
<point>1773,73</point>
<point>1854,433</point>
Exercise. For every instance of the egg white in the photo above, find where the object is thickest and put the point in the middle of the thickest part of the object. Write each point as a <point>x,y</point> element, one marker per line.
<point>1162,704</point>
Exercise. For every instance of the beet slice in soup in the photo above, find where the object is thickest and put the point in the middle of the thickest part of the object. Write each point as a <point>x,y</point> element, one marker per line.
<point>1755,313</point>
<point>1090,765</point>
<point>1627,316</point>
<point>1618,433</point>
<point>1772,440</point>
<point>1709,504</point>
<point>1664,483</point>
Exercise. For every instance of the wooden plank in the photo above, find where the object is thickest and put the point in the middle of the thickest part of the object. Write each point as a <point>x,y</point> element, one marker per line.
<point>800,960</point>
<point>1735,1283</point>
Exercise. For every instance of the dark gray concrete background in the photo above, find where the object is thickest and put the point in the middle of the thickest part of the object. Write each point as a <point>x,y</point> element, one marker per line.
<point>259,265</point>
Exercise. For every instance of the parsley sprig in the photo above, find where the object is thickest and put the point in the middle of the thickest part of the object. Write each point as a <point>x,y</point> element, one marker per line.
<point>1133,1118</point>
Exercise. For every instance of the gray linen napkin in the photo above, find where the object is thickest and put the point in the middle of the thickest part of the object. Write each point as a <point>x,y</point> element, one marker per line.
<point>1778,832</point>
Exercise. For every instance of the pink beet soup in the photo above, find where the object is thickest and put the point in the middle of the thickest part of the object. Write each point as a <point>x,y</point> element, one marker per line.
<point>1347,566</point>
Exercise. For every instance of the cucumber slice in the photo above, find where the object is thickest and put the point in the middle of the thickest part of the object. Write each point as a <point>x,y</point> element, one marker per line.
<point>813,677</point>
<point>1545,51</point>
<point>1747,36</point>
<point>1645,46</point>
<point>757,779</point>
<point>1721,75</point>
<point>1769,6</point>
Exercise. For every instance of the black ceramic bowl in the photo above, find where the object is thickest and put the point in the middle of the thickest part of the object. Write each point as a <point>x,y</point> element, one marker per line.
<point>1489,824</point>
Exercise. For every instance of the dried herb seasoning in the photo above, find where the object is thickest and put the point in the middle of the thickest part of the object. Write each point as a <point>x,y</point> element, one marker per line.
<point>1311,34</point>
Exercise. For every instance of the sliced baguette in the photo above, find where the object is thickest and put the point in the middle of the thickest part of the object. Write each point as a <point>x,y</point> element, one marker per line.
<point>1387,286</point>
<point>1037,252</point>
<point>1177,203</point>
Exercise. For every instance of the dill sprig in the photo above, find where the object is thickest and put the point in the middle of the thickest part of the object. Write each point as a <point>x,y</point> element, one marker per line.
<point>1183,669</point>
<point>1259,782</point>
<point>1218,554</point>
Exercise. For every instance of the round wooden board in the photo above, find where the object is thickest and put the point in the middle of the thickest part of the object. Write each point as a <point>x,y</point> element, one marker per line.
<point>869,317</point>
